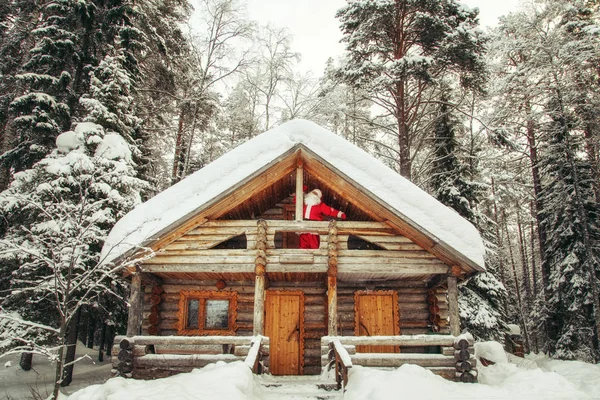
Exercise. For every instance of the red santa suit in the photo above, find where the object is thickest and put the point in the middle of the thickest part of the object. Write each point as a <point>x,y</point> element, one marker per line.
<point>314,209</point>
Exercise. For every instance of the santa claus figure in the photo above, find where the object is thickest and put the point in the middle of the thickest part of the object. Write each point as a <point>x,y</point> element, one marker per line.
<point>315,210</point>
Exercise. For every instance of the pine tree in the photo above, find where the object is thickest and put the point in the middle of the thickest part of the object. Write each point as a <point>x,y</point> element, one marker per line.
<point>399,49</point>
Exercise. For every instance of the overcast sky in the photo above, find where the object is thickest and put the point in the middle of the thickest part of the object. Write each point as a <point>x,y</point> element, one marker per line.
<point>315,28</point>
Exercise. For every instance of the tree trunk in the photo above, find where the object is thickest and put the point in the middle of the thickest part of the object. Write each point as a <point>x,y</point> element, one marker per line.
<point>516,279</point>
<point>537,189</point>
<point>110,337</point>
<point>71,348</point>
<point>524,261</point>
<point>178,147</point>
<point>500,240</point>
<point>534,274</point>
<point>91,328</point>
<point>82,329</point>
<point>26,361</point>
<point>101,342</point>
<point>403,133</point>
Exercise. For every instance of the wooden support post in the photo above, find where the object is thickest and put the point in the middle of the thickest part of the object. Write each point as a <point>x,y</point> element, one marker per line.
<point>135,306</point>
<point>259,283</point>
<point>332,325</point>
<point>453,306</point>
<point>299,191</point>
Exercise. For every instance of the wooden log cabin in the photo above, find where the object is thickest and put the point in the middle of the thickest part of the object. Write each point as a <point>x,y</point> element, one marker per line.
<point>214,260</point>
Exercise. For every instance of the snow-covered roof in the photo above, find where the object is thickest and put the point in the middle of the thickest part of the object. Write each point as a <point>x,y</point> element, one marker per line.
<point>142,225</point>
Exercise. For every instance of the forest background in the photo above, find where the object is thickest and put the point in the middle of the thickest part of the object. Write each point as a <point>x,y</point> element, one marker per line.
<point>103,104</point>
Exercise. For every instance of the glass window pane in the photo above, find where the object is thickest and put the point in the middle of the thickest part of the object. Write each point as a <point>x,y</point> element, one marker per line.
<point>192,319</point>
<point>217,314</point>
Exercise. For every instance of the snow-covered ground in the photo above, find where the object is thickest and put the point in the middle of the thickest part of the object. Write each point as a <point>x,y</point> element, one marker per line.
<point>16,384</point>
<point>536,377</point>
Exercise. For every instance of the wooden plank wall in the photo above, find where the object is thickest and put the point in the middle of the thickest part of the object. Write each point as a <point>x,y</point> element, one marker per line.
<point>170,304</point>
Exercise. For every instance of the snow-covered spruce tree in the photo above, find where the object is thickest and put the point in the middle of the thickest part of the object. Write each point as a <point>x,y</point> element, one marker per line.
<point>398,49</point>
<point>452,182</point>
<point>41,112</point>
<point>551,67</point>
<point>571,218</point>
<point>70,200</point>
<point>17,21</point>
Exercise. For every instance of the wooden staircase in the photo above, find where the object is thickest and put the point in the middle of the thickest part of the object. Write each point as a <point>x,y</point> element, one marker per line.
<point>306,387</point>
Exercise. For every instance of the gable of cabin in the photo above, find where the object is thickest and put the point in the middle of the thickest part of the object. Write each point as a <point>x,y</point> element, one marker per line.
<point>233,267</point>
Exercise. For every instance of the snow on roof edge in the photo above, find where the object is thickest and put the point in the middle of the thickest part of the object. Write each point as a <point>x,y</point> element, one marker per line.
<point>141,225</point>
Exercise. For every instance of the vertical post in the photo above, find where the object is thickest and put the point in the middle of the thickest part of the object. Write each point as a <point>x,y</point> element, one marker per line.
<point>299,191</point>
<point>135,305</point>
<point>453,305</point>
<point>259,283</point>
<point>332,253</point>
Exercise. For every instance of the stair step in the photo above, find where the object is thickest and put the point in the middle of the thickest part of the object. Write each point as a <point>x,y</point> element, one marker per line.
<point>296,388</point>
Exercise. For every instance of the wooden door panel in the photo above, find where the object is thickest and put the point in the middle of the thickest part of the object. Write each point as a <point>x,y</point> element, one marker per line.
<point>376,314</point>
<point>284,325</point>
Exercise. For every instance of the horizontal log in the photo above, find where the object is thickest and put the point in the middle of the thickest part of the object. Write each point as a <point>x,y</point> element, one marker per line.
<point>189,360</point>
<point>294,259</point>
<point>296,268</point>
<point>195,340</point>
<point>319,254</point>
<point>382,255</point>
<point>200,257</point>
<point>466,377</point>
<point>462,344</point>
<point>398,359</point>
<point>385,260</point>
<point>351,227</point>
<point>431,267</point>
<point>312,370</point>
<point>247,289</point>
<point>249,283</point>
<point>462,355</point>
<point>463,366</point>
<point>401,340</point>
<point>125,343</point>
<point>192,267</point>
<point>385,238</point>
<point>188,349</point>
<point>399,284</point>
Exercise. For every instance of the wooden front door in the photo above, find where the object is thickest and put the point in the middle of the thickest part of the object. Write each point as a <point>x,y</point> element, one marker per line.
<point>284,325</point>
<point>376,314</point>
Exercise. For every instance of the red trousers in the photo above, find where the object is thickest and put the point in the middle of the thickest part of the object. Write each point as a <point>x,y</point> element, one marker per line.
<point>309,241</point>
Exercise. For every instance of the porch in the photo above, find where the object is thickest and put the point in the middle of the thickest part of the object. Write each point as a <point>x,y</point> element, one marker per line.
<point>151,357</point>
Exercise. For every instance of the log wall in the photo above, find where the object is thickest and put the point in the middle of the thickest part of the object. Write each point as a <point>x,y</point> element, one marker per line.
<point>169,304</point>
<point>413,306</point>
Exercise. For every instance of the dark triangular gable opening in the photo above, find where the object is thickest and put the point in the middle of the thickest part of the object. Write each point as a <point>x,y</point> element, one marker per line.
<point>236,242</point>
<point>356,243</point>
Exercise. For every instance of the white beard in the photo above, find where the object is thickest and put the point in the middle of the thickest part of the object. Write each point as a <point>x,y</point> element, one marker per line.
<point>311,199</point>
